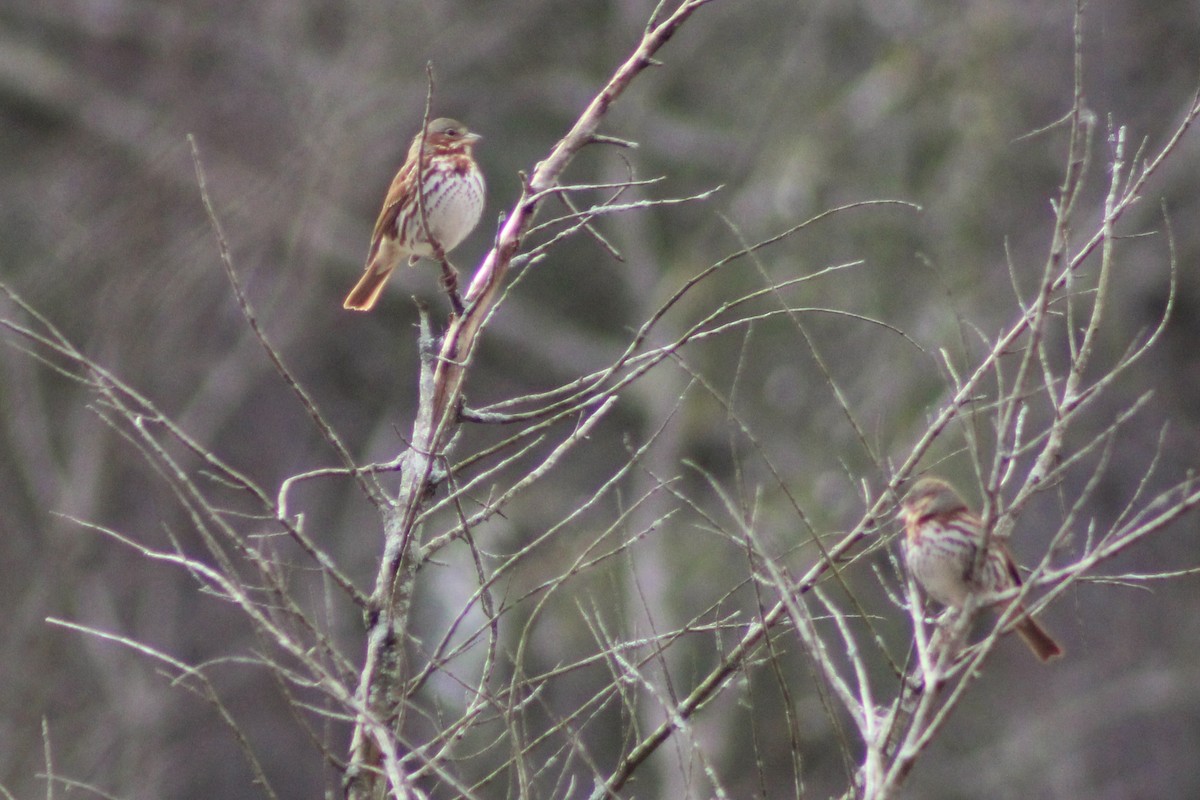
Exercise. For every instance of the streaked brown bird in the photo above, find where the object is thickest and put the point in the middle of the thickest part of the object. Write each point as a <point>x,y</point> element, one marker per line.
<point>451,188</point>
<point>943,537</point>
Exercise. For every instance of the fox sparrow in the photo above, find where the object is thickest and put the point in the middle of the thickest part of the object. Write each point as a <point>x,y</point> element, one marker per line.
<point>444,175</point>
<point>943,537</point>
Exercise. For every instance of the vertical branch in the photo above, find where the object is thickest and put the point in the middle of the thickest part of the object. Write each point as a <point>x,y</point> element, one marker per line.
<point>441,396</point>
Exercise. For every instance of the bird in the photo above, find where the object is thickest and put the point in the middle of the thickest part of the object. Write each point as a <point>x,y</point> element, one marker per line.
<point>942,538</point>
<point>451,188</point>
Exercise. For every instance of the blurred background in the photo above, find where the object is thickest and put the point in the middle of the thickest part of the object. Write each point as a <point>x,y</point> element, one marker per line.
<point>301,113</point>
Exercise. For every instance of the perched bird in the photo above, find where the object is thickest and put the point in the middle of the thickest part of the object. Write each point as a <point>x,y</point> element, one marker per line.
<point>451,188</point>
<point>943,537</point>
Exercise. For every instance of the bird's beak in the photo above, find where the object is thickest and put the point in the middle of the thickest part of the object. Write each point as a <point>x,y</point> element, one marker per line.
<point>472,138</point>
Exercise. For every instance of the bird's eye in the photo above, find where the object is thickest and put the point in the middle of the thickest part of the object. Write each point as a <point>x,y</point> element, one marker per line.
<point>452,131</point>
